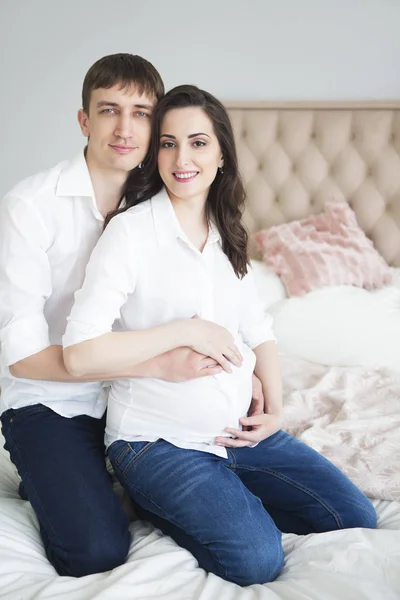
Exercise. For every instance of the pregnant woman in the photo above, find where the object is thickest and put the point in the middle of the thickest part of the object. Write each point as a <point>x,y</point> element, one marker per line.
<point>171,269</point>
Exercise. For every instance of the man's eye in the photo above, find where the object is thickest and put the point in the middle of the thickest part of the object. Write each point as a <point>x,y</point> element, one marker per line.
<point>140,113</point>
<point>108,111</point>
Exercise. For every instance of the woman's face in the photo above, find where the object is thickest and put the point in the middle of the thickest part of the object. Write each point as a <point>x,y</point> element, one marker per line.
<point>189,154</point>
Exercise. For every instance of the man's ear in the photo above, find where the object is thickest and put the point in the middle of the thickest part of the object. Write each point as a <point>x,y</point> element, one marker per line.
<point>83,121</point>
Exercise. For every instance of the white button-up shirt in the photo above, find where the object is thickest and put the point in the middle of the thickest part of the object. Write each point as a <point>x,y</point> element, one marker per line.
<point>145,272</point>
<point>49,224</point>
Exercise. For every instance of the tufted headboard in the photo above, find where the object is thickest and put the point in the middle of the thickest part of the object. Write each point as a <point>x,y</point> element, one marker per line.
<point>296,156</point>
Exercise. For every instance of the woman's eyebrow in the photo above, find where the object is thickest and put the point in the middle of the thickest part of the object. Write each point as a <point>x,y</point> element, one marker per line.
<point>192,135</point>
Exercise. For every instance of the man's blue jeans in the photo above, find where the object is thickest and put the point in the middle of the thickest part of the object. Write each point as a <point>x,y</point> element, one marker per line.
<point>62,466</point>
<point>230,512</point>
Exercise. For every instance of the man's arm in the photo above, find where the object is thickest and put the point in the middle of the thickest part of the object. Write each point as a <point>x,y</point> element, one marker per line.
<point>176,365</point>
<point>25,280</point>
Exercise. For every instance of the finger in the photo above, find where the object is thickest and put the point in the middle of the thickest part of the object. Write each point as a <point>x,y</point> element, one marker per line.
<point>232,443</point>
<point>255,411</point>
<point>209,371</point>
<point>234,357</point>
<point>225,364</point>
<point>237,353</point>
<point>252,420</point>
<point>249,436</point>
<point>207,362</point>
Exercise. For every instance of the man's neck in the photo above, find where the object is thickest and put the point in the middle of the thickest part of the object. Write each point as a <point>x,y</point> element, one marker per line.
<point>107,186</point>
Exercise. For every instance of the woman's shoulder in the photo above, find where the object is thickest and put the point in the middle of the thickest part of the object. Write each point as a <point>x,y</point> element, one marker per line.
<point>138,218</point>
<point>141,209</point>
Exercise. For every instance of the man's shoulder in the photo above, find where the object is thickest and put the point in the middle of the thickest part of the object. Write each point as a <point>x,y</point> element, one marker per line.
<point>34,186</point>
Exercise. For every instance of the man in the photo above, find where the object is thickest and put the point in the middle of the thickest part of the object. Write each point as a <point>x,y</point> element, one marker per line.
<point>53,423</point>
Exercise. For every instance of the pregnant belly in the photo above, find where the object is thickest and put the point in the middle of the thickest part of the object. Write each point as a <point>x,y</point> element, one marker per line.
<point>196,410</point>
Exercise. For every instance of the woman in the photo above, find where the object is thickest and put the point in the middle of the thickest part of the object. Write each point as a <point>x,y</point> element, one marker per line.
<point>223,485</point>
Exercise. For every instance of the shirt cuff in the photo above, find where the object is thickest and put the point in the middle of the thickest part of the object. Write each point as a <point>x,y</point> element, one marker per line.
<point>260,333</point>
<point>23,338</point>
<point>78,332</point>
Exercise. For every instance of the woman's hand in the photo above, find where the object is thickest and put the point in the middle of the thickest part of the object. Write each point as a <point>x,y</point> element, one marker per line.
<point>214,341</point>
<point>262,427</point>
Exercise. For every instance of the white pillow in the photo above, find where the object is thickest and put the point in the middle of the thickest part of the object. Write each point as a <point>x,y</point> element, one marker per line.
<point>269,285</point>
<point>341,325</point>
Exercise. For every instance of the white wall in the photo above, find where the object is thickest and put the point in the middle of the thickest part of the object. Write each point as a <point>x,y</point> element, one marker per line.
<point>236,49</point>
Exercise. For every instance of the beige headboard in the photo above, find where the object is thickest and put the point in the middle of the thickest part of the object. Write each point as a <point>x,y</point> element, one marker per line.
<point>296,156</point>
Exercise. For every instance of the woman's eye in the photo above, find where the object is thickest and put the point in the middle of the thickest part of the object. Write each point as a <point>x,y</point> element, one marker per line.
<point>199,143</point>
<point>167,145</point>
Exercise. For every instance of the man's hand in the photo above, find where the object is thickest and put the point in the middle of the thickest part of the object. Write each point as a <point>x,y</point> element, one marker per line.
<point>257,402</point>
<point>262,427</point>
<point>183,364</point>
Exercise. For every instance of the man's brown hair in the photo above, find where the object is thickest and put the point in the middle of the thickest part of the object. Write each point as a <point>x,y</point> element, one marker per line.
<point>124,70</point>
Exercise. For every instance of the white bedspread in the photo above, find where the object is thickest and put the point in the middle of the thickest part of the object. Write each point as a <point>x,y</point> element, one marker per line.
<point>350,415</point>
<point>344,565</point>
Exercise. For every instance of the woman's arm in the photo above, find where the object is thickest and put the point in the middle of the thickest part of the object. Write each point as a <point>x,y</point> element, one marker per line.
<point>268,371</point>
<point>92,348</point>
<point>256,330</point>
<point>122,350</point>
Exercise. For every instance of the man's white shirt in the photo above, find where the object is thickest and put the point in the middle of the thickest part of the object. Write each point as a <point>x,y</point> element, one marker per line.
<point>49,225</point>
<point>145,272</point>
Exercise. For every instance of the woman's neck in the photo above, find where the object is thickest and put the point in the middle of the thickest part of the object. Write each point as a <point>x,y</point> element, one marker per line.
<point>191,214</point>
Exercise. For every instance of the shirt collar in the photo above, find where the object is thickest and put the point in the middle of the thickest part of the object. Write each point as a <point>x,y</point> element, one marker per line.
<point>75,179</point>
<point>166,224</point>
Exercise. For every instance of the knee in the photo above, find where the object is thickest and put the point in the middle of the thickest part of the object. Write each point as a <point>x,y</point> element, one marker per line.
<point>361,514</point>
<point>261,563</point>
<point>97,556</point>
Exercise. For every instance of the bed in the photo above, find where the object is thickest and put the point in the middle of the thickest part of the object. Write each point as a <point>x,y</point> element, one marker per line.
<point>341,397</point>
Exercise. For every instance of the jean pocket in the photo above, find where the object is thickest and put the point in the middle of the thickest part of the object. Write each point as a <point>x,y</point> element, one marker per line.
<point>17,415</point>
<point>123,455</point>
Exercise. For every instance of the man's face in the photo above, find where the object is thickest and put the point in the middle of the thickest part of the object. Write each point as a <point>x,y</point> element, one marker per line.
<point>118,128</point>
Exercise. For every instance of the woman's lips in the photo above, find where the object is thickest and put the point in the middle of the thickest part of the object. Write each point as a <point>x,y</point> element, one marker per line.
<point>184,177</point>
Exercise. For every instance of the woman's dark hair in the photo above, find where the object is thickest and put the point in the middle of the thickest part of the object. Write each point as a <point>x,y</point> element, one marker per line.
<point>226,196</point>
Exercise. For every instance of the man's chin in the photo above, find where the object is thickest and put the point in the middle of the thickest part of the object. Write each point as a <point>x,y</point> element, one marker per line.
<point>125,165</point>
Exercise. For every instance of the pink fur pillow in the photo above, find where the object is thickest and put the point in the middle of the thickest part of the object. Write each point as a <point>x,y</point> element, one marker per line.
<point>322,250</point>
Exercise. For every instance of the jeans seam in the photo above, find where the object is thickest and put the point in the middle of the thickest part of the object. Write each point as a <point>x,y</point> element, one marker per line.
<point>122,453</point>
<point>295,484</point>
<point>232,465</point>
<point>129,486</point>
<point>173,521</point>
<point>137,455</point>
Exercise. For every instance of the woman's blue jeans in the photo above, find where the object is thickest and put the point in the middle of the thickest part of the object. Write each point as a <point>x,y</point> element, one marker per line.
<point>230,512</point>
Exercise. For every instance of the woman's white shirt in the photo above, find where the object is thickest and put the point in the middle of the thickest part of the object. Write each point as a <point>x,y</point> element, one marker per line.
<point>145,272</point>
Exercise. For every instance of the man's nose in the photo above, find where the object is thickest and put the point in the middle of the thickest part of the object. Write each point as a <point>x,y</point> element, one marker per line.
<point>124,128</point>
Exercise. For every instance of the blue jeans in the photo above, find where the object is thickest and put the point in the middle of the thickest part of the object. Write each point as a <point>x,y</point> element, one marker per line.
<point>62,466</point>
<point>230,512</point>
